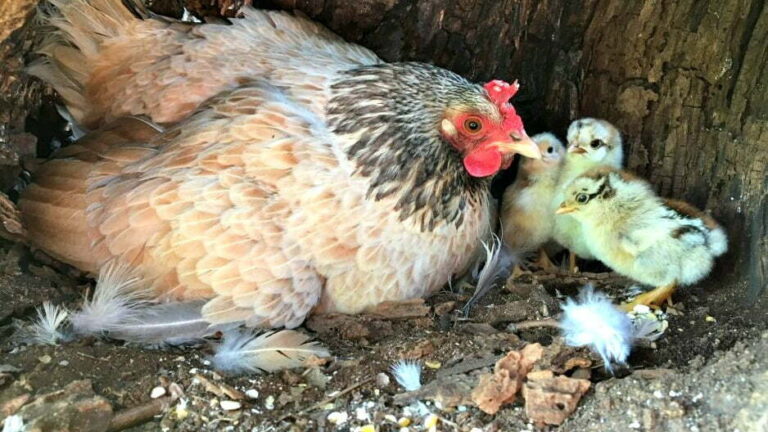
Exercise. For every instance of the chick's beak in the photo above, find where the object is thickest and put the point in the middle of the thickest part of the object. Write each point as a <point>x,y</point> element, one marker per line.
<point>564,209</point>
<point>521,144</point>
<point>576,150</point>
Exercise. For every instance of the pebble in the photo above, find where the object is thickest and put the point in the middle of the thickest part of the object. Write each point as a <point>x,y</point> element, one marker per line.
<point>338,417</point>
<point>269,403</point>
<point>252,394</point>
<point>45,359</point>
<point>228,405</point>
<point>157,392</point>
<point>63,363</point>
<point>382,380</point>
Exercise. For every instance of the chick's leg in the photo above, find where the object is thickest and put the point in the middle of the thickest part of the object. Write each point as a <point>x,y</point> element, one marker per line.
<point>572,262</point>
<point>655,297</point>
<point>544,262</point>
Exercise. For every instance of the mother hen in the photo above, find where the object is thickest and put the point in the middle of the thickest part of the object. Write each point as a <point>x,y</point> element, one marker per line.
<point>292,170</point>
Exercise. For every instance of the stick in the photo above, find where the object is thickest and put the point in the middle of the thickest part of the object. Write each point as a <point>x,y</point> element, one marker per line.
<point>531,324</point>
<point>140,414</point>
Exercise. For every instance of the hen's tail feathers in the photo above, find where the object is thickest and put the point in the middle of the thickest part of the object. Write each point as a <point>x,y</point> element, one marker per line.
<point>79,27</point>
<point>244,351</point>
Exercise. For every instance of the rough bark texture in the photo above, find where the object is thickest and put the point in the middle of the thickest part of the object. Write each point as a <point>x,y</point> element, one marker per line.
<point>686,80</point>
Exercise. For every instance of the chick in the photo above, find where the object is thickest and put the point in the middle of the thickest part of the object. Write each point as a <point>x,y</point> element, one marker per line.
<point>591,143</point>
<point>655,241</point>
<point>526,214</point>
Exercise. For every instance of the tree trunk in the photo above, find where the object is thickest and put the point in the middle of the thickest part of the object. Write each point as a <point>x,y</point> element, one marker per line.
<point>685,80</point>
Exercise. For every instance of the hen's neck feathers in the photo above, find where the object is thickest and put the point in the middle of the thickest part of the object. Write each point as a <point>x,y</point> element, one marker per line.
<point>387,116</point>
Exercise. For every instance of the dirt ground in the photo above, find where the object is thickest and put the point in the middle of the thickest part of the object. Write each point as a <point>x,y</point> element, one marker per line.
<point>708,372</point>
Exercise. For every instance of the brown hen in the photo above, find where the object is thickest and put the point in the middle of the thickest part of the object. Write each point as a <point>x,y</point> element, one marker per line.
<point>293,171</point>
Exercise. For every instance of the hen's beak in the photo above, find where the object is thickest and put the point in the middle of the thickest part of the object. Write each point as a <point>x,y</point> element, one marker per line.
<point>576,150</point>
<point>520,144</point>
<point>564,209</point>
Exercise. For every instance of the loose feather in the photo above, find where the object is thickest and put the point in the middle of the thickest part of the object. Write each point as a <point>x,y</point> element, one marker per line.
<point>14,423</point>
<point>116,301</point>
<point>407,373</point>
<point>592,320</point>
<point>499,260</point>
<point>49,326</point>
<point>245,351</point>
<point>167,323</point>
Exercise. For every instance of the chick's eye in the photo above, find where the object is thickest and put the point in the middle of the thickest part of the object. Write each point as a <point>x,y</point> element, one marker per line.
<point>581,198</point>
<point>596,143</point>
<point>473,125</point>
<point>550,149</point>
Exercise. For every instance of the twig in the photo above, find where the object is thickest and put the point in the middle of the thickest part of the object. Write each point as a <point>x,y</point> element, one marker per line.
<point>137,415</point>
<point>328,399</point>
<point>531,324</point>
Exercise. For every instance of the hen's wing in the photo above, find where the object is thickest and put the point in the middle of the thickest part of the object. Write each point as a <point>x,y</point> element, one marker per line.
<point>200,213</point>
<point>107,63</point>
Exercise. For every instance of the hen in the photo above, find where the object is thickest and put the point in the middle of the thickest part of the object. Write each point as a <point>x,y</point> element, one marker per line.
<point>293,171</point>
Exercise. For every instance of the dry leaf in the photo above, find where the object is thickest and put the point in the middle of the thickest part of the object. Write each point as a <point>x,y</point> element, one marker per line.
<point>550,400</point>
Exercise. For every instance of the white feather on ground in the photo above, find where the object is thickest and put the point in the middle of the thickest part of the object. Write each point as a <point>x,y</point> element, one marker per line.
<point>48,328</point>
<point>13,423</point>
<point>244,351</point>
<point>593,320</point>
<point>407,373</point>
<point>166,323</point>
<point>116,300</point>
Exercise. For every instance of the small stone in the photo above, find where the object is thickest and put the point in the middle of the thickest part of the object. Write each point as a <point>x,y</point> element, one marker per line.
<point>45,359</point>
<point>228,405</point>
<point>432,364</point>
<point>157,392</point>
<point>64,363</point>
<point>710,319</point>
<point>404,422</point>
<point>269,403</point>
<point>641,309</point>
<point>252,393</point>
<point>430,421</point>
<point>382,380</point>
<point>338,417</point>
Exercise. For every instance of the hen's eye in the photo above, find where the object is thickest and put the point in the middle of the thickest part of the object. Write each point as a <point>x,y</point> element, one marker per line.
<point>550,149</point>
<point>581,198</point>
<point>596,143</point>
<point>473,125</point>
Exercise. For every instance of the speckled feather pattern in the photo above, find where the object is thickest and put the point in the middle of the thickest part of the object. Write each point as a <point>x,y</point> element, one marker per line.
<point>250,200</point>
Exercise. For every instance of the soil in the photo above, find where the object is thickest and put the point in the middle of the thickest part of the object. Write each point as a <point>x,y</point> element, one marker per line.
<point>706,373</point>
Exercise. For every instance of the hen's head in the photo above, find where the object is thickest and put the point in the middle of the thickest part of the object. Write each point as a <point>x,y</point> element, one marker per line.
<point>486,129</point>
<point>425,135</point>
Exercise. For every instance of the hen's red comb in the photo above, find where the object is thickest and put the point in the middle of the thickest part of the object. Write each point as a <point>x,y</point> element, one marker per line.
<point>500,92</point>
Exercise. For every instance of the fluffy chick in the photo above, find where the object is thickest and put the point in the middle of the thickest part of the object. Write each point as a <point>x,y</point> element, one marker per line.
<point>526,214</point>
<point>656,241</point>
<point>591,143</point>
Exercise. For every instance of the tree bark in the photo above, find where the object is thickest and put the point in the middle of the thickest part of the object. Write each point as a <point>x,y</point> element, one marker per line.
<point>685,80</point>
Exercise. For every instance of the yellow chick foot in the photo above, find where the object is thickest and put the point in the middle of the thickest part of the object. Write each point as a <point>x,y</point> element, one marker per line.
<point>654,298</point>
